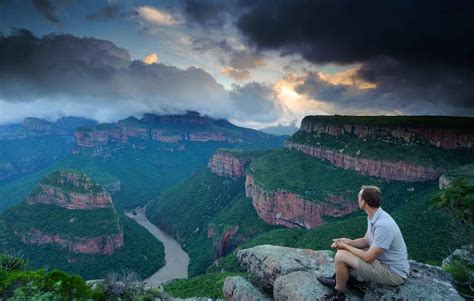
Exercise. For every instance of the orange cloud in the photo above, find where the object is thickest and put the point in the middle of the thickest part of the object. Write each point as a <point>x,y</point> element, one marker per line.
<point>156,16</point>
<point>235,73</point>
<point>348,78</point>
<point>152,58</point>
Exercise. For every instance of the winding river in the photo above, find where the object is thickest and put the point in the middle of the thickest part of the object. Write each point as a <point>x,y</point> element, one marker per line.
<point>176,266</point>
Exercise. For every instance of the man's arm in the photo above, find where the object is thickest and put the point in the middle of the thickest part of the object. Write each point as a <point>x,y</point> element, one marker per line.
<point>368,256</point>
<point>360,243</point>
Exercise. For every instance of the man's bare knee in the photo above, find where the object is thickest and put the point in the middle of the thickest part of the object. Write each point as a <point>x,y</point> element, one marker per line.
<point>341,256</point>
<point>346,257</point>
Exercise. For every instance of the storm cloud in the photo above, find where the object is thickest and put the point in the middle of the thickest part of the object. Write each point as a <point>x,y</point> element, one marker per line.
<point>88,72</point>
<point>414,51</point>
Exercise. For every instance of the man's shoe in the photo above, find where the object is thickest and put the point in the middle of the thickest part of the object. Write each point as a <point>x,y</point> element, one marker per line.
<point>328,281</point>
<point>334,296</point>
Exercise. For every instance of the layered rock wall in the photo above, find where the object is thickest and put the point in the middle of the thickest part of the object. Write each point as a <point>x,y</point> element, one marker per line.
<point>385,169</point>
<point>105,245</point>
<point>70,200</point>
<point>444,138</point>
<point>290,210</point>
<point>224,164</point>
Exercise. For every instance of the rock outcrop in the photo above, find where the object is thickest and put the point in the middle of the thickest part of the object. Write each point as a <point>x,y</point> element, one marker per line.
<point>226,164</point>
<point>385,169</point>
<point>288,209</point>
<point>70,190</point>
<point>444,132</point>
<point>73,201</point>
<point>290,274</point>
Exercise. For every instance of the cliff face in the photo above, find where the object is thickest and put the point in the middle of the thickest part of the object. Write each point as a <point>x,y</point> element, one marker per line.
<point>447,137</point>
<point>70,200</point>
<point>225,164</point>
<point>225,242</point>
<point>105,245</point>
<point>389,170</point>
<point>288,209</point>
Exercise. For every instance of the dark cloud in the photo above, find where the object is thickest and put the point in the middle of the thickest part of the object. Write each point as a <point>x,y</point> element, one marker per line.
<point>106,13</point>
<point>208,12</point>
<point>415,51</point>
<point>392,93</point>
<point>91,74</point>
<point>351,31</point>
<point>256,102</point>
<point>47,10</point>
<point>237,63</point>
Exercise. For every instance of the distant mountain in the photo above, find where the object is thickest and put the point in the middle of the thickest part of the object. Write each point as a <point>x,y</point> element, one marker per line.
<point>285,130</point>
<point>35,144</point>
<point>69,218</point>
<point>170,132</point>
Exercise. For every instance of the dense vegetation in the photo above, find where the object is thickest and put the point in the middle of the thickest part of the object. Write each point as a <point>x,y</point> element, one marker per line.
<point>186,209</point>
<point>56,179</point>
<point>141,253</point>
<point>316,180</point>
<point>206,285</point>
<point>52,219</point>
<point>420,152</point>
<point>399,121</point>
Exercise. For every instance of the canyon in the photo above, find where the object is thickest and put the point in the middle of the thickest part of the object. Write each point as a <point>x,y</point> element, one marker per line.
<point>226,164</point>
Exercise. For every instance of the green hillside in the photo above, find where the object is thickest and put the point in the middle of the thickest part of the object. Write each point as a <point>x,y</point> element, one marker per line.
<point>315,180</point>
<point>141,252</point>
<point>186,209</point>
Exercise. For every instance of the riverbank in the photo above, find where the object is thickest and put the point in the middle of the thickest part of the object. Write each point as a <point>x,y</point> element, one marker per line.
<point>177,260</point>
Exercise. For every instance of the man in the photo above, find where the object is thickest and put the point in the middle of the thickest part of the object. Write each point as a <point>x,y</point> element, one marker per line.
<point>386,259</point>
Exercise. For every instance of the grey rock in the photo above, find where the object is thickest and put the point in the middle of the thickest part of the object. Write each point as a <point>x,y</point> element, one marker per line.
<point>269,262</point>
<point>291,274</point>
<point>239,289</point>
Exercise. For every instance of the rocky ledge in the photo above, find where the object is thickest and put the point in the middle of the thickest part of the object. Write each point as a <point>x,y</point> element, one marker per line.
<point>385,169</point>
<point>290,210</point>
<point>281,273</point>
<point>456,132</point>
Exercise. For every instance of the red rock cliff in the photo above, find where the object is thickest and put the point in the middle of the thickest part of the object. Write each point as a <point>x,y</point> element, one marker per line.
<point>224,164</point>
<point>448,138</point>
<point>288,209</point>
<point>389,170</point>
<point>225,242</point>
<point>105,245</point>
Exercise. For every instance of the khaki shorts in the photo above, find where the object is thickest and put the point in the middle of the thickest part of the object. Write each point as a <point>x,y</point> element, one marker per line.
<point>377,272</point>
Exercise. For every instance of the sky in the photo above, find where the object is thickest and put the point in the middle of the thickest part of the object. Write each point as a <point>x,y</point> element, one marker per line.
<point>256,63</point>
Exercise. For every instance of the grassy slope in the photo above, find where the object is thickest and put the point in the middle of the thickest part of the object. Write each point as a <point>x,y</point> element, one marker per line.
<point>315,180</point>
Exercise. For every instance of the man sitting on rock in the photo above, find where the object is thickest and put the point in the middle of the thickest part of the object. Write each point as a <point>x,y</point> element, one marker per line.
<point>386,259</point>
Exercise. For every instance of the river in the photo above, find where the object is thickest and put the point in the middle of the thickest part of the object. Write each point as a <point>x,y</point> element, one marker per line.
<point>177,261</point>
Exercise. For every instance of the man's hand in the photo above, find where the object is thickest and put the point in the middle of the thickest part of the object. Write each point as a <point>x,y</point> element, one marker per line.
<point>335,242</point>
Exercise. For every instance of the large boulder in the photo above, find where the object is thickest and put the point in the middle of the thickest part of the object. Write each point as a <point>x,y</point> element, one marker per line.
<point>237,288</point>
<point>291,275</point>
<point>269,262</point>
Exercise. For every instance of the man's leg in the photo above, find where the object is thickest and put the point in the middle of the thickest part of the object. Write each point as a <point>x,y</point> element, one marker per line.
<point>343,261</point>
